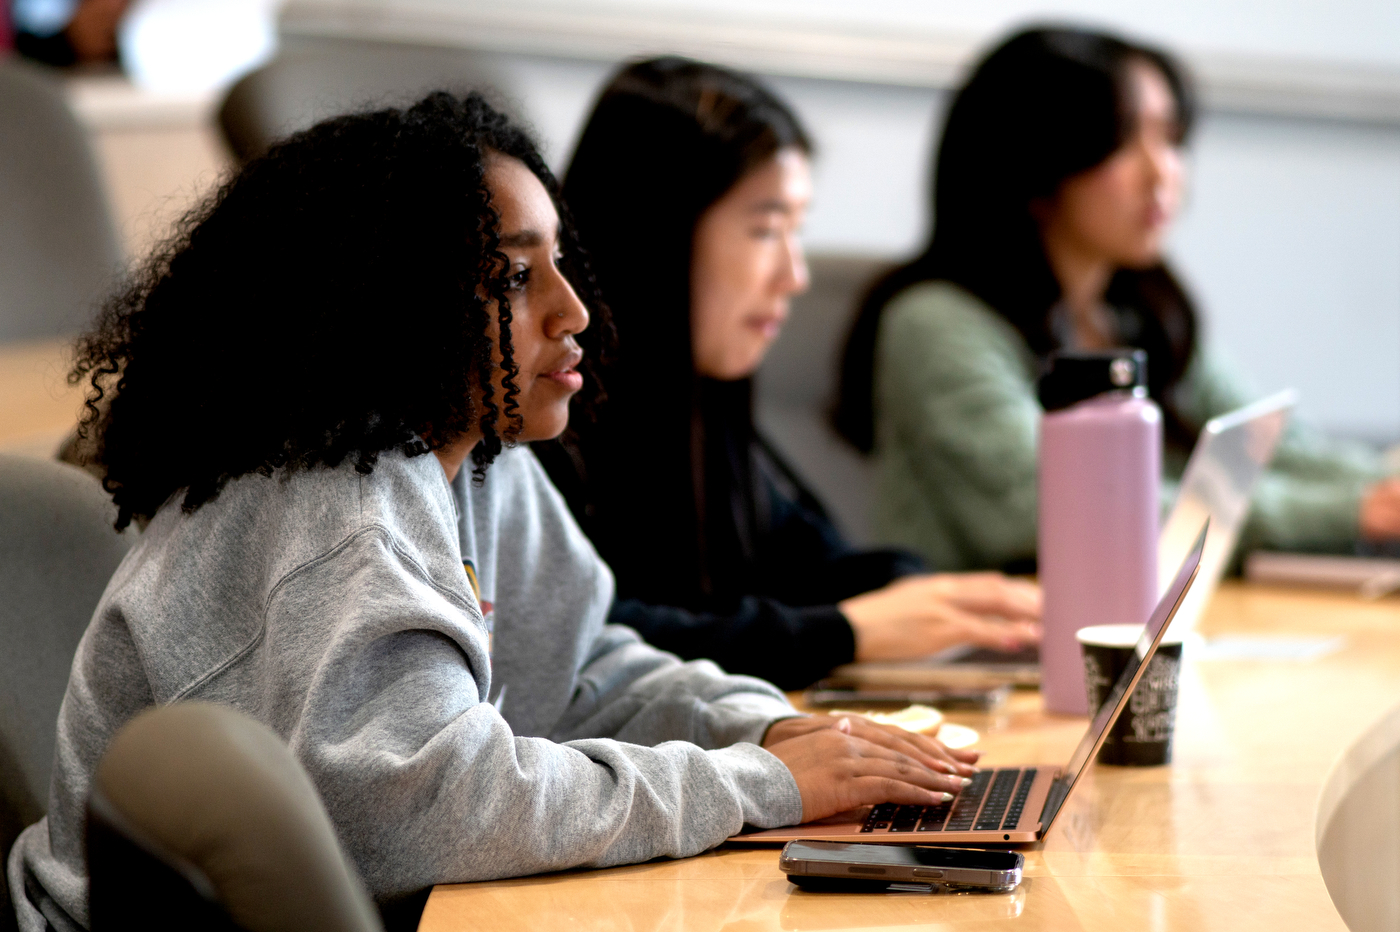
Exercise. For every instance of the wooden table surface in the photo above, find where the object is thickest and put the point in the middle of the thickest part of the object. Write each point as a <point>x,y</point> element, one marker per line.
<point>1221,839</point>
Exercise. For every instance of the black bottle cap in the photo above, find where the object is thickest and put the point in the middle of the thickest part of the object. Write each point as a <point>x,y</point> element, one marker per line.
<point>1075,376</point>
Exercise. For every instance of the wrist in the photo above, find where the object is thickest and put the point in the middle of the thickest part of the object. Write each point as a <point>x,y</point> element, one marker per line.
<point>771,738</point>
<point>854,611</point>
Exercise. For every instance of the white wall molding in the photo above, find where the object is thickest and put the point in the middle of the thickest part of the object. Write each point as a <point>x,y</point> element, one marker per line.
<point>1237,83</point>
<point>595,33</point>
<point>1306,89</point>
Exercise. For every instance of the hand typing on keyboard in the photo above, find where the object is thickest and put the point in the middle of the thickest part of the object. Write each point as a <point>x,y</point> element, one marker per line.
<point>840,763</point>
<point>993,802</point>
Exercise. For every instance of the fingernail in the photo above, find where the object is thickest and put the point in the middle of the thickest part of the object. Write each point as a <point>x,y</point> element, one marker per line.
<point>943,797</point>
<point>966,781</point>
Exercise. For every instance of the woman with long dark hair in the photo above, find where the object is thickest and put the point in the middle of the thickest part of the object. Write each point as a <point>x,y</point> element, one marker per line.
<point>689,185</point>
<point>1059,170</point>
<point>287,398</point>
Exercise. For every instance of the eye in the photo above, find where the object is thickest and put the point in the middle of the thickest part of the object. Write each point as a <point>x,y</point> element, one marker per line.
<point>519,280</point>
<point>766,232</point>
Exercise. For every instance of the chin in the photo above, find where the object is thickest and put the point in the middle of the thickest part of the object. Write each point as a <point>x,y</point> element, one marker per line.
<point>544,425</point>
<point>745,368</point>
<point>1141,259</point>
<point>737,373</point>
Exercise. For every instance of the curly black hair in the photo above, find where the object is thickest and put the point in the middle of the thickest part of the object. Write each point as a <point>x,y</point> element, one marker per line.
<point>330,301</point>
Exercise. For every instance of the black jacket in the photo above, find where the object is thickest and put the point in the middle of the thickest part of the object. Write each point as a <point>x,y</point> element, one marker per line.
<point>765,603</point>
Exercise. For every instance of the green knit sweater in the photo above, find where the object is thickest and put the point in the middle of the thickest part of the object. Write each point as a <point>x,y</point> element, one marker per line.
<point>956,422</point>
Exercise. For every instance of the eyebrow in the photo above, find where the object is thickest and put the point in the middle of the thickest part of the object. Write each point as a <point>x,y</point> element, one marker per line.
<point>525,238</point>
<point>772,206</point>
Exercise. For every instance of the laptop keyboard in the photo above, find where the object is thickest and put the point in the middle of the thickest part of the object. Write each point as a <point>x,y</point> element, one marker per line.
<point>992,802</point>
<point>998,798</point>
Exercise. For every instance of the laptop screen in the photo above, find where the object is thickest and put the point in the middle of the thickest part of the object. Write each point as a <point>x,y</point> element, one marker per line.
<point>1146,646</point>
<point>1231,454</point>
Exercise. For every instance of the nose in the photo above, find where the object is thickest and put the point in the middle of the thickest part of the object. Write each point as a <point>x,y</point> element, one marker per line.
<point>1163,161</point>
<point>1166,176</point>
<point>565,314</point>
<point>794,275</point>
<point>1153,157</point>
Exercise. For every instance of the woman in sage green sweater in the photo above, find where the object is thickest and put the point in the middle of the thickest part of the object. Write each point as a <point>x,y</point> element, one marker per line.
<point>956,442</point>
<point>1059,171</point>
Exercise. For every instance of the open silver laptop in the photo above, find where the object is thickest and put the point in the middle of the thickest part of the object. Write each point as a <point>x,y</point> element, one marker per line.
<point>1006,804</point>
<point>1232,453</point>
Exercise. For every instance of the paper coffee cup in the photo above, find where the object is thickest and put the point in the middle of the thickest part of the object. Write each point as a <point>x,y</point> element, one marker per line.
<point>1142,736</point>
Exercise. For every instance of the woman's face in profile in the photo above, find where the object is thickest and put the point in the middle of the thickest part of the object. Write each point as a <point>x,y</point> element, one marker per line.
<point>546,313</point>
<point>1120,209</point>
<point>746,263</point>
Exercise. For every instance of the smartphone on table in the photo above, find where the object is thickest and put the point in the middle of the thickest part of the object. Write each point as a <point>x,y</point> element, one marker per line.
<point>850,867</point>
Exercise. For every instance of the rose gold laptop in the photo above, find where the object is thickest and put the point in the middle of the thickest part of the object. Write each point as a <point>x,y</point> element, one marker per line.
<point>1007,804</point>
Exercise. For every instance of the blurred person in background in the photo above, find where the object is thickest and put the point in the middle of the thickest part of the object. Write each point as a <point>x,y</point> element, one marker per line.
<point>689,187</point>
<point>1059,173</point>
<point>67,32</point>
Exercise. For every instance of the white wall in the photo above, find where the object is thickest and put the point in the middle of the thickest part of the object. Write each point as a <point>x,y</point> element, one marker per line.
<point>1354,31</point>
<point>1292,244</point>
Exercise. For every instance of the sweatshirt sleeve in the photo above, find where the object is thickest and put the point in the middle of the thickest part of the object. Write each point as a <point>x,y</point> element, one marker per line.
<point>633,692</point>
<point>388,671</point>
<point>956,398</point>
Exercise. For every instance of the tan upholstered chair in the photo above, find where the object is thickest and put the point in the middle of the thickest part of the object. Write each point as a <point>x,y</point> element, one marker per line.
<point>57,551</point>
<point>200,818</point>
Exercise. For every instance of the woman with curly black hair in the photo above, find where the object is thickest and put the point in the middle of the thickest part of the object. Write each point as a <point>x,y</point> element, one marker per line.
<point>286,399</point>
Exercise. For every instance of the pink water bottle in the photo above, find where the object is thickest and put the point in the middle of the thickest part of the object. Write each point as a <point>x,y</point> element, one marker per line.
<point>1100,466</point>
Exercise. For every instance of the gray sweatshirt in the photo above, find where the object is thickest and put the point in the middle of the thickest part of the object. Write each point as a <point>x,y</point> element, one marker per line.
<point>354,615</point>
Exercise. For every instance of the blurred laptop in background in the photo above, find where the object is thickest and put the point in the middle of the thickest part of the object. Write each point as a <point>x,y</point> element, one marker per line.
<point>1232,453</point>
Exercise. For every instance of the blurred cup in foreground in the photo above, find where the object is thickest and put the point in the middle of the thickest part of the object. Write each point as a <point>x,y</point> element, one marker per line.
<point>1142,736</point>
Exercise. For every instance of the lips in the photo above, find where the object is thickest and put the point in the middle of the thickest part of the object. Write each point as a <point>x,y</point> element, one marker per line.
<point>1158,213</point>
<point>563,372</point>
<point>769,325</point>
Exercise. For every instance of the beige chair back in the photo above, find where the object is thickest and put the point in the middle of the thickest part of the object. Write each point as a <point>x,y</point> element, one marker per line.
<point>59,251</point>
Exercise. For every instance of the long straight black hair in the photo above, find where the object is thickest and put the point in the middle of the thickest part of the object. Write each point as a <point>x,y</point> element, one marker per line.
<point>1045,105</point>
<point>666,140</point>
